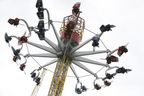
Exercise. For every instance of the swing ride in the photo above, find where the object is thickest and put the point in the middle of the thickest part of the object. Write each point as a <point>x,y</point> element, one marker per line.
<point>66,53</point>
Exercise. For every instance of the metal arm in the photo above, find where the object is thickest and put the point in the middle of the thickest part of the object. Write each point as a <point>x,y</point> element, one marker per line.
<point>82,59</point>
<point>111,52</point>
<point>49,63</point>
<point>73,70</point>
<point>81,45</point>
<point>84,67</point>
<point>47,55</point>
<point>53,45</point>
<point>27,27</point>
<point>83,53</point>
<point>48,18</point>
<point>14,36</point>
<point>57,36</point>
<point>43,47</point>
<point>114,67</point>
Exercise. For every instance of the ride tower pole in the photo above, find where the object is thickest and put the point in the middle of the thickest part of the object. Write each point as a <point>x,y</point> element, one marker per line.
<point>72,28</point>
<point>59,76</point>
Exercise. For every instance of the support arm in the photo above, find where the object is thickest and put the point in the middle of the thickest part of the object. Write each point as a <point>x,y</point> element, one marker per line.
<point>53,45</point>
<point>27,27</point>
<point>73,70</point>
<point>111,52</point>
<point>57,36</point>
<point>83,53</point>
<point>48,18</point>
<point>42,47</point>
<point>82,59</point>
<point>85,68</point>
<point>49,63</point>
<point>81,45</point>
<point>47,55</point>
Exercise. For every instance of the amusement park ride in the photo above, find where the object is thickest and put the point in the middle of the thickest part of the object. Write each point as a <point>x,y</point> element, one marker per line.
<point>65,53</point>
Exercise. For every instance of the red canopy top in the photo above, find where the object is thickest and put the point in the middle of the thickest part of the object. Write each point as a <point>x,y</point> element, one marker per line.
<point>76,5</point>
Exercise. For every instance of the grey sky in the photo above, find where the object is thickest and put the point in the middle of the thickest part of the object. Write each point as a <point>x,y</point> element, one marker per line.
<point>127,15</point>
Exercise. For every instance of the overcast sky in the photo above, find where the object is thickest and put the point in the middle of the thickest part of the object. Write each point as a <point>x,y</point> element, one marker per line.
<point>127,15</point>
